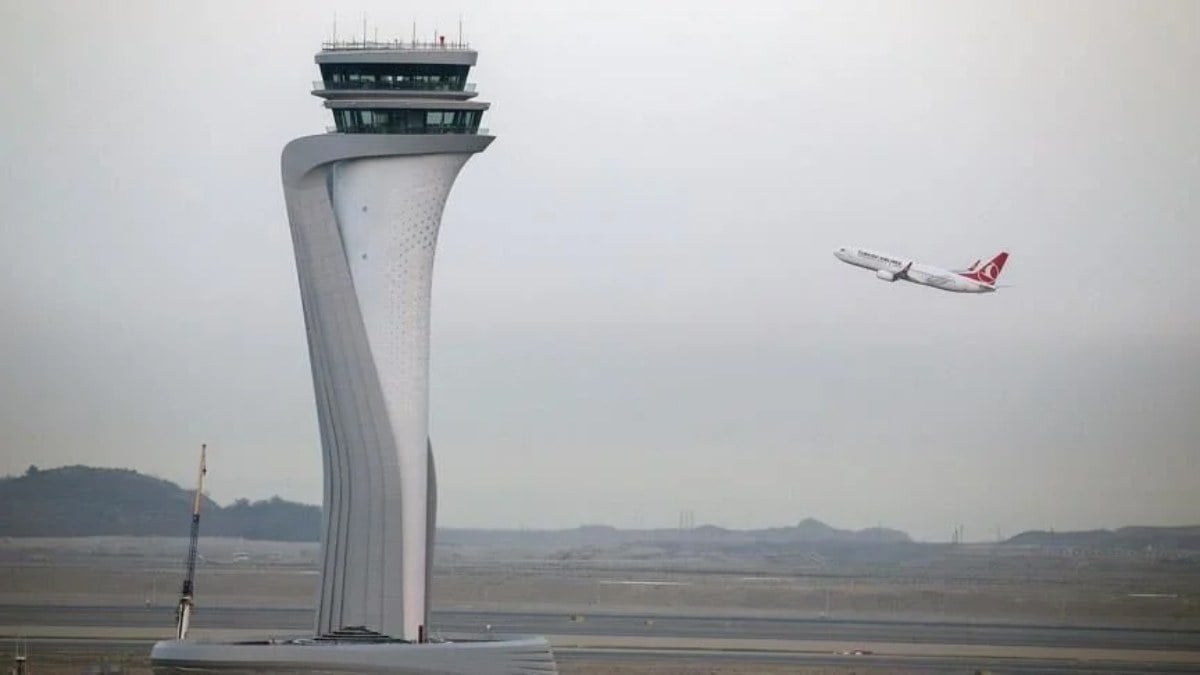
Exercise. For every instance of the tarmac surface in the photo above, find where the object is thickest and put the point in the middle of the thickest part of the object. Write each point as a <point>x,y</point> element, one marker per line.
<point>277,621</point>
<point>711,661</point>
<point>705,661</point>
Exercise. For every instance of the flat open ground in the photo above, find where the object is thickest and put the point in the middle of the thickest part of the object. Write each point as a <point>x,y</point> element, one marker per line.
<point>963,583</point>
<point>626,612</point>
<point>132,660</point>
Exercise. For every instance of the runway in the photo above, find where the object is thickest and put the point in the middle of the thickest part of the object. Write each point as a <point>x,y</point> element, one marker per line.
<point>636,625</point>
<point>921,664</point>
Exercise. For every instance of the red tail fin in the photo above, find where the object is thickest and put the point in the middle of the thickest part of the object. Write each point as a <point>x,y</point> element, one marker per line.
<point>988,272</point>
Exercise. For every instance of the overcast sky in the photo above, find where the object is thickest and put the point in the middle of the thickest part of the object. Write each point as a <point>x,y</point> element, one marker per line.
<point>636,308</point>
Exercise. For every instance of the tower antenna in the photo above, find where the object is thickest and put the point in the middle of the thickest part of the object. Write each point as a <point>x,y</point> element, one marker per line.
<point>460,36</point>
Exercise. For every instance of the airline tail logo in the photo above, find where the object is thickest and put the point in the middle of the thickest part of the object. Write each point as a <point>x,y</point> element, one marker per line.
<point>989,271</point>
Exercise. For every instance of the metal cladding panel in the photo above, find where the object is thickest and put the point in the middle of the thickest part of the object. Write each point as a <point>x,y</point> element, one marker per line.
<point>389,211</point>
<point>367,320</point>
<point>350,409</point>
<point>430,533</point>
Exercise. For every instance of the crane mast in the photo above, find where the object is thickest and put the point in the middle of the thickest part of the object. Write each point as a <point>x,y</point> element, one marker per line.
<point>183,614</point>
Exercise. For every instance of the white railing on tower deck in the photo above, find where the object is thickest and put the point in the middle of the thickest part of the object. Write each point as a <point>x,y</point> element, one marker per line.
<point>320,85</point>
<point>481,131</point>
<point>341,45</point>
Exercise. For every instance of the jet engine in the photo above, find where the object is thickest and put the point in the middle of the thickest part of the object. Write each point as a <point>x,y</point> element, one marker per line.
<point>886,275</point>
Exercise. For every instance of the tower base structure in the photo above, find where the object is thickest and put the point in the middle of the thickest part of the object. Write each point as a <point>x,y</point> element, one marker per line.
<point>463,655</point>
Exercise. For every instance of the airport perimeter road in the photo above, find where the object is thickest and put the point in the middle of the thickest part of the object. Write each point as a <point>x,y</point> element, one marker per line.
<point>635,625</point>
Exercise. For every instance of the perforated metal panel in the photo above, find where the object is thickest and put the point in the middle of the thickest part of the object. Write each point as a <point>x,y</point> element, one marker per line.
<point>389,211</point>
<point>365,214</point>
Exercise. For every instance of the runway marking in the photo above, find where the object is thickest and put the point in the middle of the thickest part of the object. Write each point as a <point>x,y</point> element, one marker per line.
<point>621,582</point>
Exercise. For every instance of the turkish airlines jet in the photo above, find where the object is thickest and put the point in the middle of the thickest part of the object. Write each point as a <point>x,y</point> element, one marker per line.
<point>974,279</point>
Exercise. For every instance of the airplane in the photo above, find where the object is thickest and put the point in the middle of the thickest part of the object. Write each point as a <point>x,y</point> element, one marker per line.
<point>974,279</point>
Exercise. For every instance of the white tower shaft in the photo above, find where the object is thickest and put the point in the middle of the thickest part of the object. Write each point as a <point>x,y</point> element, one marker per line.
<point>365,213</point>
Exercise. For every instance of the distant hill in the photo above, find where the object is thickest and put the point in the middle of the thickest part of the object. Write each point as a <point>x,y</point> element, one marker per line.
<point>1125,538</point>
<point>80,501</point>
<point>808,531</point>
<point>77,501</point>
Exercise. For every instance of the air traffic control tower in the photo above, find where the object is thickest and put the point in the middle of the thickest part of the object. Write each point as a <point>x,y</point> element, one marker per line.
<point>365,205</point>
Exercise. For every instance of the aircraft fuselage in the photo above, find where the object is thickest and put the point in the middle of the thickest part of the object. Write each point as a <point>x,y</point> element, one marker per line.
<point>892,268</point>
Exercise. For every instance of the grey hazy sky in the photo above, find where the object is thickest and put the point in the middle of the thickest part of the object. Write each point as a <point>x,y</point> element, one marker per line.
<point>636,310</point>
